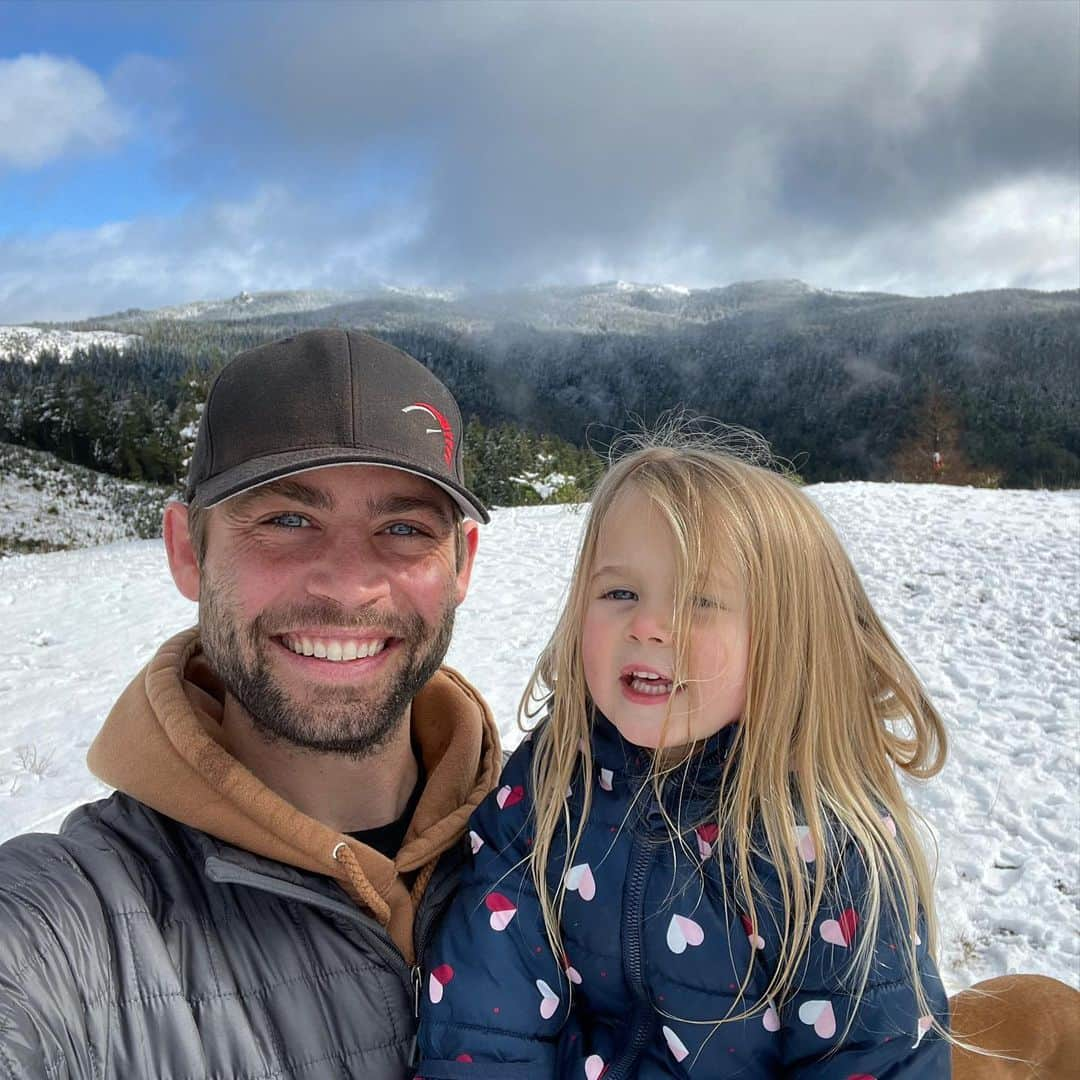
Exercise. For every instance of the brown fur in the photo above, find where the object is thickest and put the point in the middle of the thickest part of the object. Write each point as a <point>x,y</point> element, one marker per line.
<point>1032,1018</point>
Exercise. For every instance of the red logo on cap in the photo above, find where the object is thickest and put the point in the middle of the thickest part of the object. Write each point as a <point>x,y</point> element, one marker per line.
<point>444,427</point>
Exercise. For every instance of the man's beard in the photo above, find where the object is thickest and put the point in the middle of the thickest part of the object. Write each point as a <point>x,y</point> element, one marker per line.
<point>333,719</point>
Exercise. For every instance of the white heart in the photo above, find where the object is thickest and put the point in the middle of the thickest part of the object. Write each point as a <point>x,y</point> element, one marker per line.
<point>606,777</point>
<point>681,932</point>
<point>435,990</point>
<point>820,1016</point>
<point>806,843</point>
<point>756,940</point>
<point>549,1000</point>
<point>476,841</point>
<point>580,879</point>
<point>573,974</point>
<point>704,848</point>
<point>890,825</point>
<point>675,1044</point>
<point>594,1066</point>
<point>771,1020</point>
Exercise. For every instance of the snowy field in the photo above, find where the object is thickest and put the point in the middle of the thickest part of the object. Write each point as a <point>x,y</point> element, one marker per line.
<point>980,589</point>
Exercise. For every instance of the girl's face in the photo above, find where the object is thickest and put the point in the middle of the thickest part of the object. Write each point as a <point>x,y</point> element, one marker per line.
<point>627,645</point>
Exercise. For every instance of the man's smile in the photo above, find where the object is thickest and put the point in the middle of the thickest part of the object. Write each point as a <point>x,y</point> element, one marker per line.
<point>336,648</point>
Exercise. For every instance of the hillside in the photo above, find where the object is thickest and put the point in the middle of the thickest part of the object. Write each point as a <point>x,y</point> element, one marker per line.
<point>846,385</point>
<point>50,505</point>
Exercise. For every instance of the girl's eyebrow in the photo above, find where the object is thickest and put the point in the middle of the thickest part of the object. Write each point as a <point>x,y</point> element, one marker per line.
<point>610,568</point>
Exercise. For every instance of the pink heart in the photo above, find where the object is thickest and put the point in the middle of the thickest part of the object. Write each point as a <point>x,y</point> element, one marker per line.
<point>606,777</point>
<point>549,1000</point>
<point>509,796</point>
<point>924,1025</point>
<point>572,972</point>
<point>594,1067</point>
<point>580,879</point>
<point>438,978</point>
<point>502,910</point>
<point>771,1020</point>
<point>681,932</point>
<point>464,1058</point>
<point>840,931</point>
<point>675,1044</point>
<point>806,843</point>
<point>890,825</point>
<point>476,841</point>
<point>820,1016</point>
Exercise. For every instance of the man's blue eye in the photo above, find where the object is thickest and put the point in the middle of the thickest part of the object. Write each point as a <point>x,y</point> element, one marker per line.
<point>400,528</point>
<point>620,594</point>
<point>291,521</point>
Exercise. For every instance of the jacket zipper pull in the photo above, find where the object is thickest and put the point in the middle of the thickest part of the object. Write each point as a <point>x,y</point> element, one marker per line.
<point>418,983</point>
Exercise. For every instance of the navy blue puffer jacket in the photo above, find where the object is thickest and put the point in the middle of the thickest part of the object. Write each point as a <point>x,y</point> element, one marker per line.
<point>655,953</point>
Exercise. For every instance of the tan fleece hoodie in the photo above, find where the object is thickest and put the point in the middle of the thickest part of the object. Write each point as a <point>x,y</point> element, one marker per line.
<point>161,745</point>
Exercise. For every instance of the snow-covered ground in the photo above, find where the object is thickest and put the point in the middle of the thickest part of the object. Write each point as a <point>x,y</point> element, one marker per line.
<point>980,589</point>
<point>29,342</point>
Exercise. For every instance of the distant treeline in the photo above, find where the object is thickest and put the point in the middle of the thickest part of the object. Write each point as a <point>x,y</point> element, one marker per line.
<point>843,396</point>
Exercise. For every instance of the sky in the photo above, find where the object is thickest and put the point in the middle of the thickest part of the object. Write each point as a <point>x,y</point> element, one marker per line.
<point>157,153</point>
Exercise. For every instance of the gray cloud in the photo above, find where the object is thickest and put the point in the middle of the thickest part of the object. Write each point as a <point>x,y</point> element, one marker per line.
<point>555,137</point>
<point>922,147</point>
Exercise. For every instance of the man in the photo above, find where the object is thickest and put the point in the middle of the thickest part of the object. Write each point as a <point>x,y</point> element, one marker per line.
<point>293,777</point>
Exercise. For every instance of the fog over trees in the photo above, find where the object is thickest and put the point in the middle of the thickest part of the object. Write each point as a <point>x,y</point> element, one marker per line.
<point>844,385</point>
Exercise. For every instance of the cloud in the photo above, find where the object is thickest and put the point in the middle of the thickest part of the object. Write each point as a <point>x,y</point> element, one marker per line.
<point>568,135</point>
<point>916,146</point>
<point>51,107</point>
<point>210,251</point>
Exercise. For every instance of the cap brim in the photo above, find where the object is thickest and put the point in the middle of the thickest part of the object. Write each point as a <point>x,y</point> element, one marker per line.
<point>253,474</point>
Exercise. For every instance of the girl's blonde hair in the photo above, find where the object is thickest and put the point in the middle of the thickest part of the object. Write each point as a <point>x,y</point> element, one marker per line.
<point>832,707</point>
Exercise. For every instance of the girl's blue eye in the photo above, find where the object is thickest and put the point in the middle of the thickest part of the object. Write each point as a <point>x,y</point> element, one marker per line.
<point>290,521</point>
<point>620,594</point>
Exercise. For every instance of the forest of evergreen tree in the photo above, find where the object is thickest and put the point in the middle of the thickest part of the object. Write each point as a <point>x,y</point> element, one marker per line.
<point>995,397</point>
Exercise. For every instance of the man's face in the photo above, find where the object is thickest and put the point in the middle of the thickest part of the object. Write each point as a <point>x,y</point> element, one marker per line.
<point>326,601</point>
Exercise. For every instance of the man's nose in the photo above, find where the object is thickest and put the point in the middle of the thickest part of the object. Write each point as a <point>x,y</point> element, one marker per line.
<point>348,570</point>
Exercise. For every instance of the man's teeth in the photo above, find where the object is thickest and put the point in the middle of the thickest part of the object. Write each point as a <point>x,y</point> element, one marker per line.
<point>334,648</point>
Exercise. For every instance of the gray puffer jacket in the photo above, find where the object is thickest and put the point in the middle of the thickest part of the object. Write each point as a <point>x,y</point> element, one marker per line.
<point>132,946</point>
<point>196,926</point>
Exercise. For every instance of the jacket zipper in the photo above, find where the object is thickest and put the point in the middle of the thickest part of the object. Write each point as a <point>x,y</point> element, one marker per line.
<point>224,872</point>
<point>644,1018</point>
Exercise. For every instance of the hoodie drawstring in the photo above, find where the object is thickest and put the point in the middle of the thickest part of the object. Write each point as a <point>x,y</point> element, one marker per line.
<point>363,889</point>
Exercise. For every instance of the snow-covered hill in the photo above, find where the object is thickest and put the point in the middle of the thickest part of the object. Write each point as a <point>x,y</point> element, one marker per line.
<point>47,504</point>
<point>980,588</point>
<point>29,342</point>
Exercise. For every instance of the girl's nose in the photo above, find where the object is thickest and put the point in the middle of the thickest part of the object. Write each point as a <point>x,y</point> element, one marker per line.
<point>650,625</point>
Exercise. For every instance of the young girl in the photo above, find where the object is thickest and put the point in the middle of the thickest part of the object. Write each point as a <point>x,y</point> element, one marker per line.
<point>700,863</point>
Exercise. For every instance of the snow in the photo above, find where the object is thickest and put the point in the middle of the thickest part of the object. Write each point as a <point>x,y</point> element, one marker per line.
<point>980,589</point>
<point>29,342</point>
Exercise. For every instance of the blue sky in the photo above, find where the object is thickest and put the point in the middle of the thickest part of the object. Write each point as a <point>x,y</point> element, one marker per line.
<point>157,153</point>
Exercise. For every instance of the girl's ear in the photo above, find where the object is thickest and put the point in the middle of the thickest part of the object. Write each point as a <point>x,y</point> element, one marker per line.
<point>183,565</point>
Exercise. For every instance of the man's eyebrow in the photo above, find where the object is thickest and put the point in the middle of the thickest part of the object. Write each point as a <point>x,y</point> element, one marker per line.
<point>405,504</point>
<point>293,490</point>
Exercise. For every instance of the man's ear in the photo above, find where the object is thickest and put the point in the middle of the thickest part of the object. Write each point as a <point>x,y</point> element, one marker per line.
<point>471,537</point>
<point>182,562</point>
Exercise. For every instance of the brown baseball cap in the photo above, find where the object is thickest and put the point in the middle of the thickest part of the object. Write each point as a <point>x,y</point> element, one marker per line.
<point>326,397</point>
